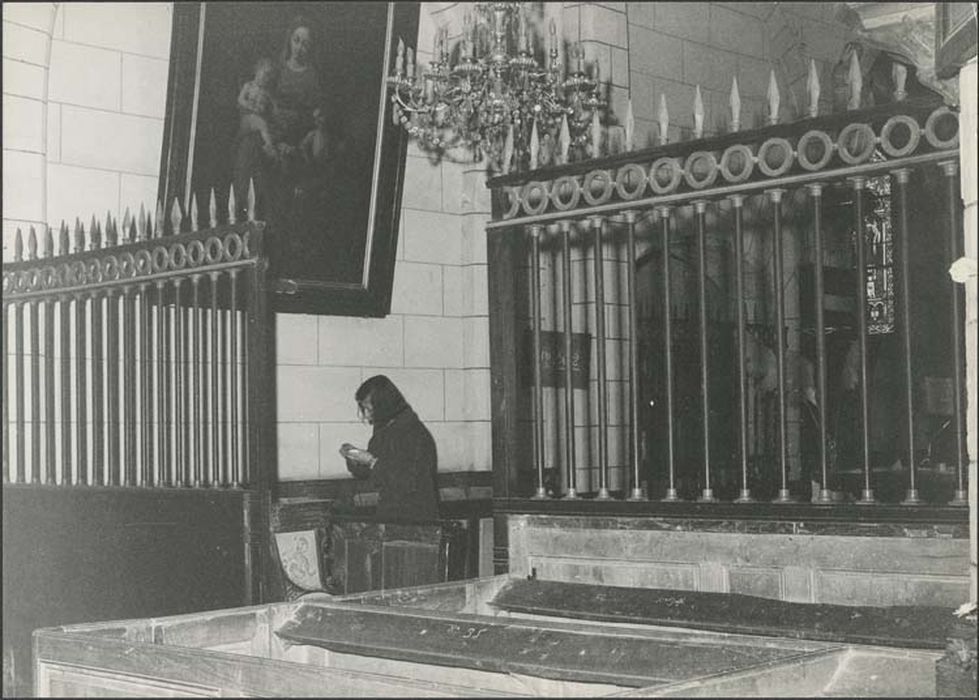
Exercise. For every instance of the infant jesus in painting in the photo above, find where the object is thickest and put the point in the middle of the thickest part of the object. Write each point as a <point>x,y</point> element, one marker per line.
<point>255,105</point>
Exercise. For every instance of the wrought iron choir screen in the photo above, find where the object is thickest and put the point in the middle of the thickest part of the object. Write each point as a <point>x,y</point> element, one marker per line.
<point>138,357</point>
<point>769,316</point>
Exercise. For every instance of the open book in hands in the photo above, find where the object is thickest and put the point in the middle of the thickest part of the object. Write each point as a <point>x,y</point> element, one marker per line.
<point>356,455</point>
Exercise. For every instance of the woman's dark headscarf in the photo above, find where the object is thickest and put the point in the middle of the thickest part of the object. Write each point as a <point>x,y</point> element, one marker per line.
<point>385,397</point>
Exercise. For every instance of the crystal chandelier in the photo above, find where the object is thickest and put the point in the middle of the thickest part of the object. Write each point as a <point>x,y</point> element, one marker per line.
<point>499,92</point>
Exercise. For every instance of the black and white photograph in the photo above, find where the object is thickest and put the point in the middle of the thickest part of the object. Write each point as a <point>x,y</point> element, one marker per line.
<point>464,349</point>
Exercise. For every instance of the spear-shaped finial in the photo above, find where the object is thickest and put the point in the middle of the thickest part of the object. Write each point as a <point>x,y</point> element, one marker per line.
<point>773,98</point>
<point>564,140</point>
<point>193,212</point>
<point>232,206</point>
<point>158,220</point>
<point>18,246</point>
<point>48,249</point>
<point>507,151</point>
<point>32,244</point>
<point>176,217</point>
<point>111,232</point>
<point>596,135</point>
<point>142,223</point>
<point>735,105</point>
<point>664,119</point>
<point>212,211</point>
<point>534,146</point>
<point>812,87</point>
<point>899,73</point>
<point>698,114</point>
<point>127,219</point>
<point>630,126</point>
<point>250,208</point>
<point>64,242</point>
<point>95,235</point>
<point>79,236</point>
<point>856,81</point>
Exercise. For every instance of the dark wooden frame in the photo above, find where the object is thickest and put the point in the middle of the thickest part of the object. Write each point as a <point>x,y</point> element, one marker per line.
<point>371,296</point>
<point>955,38</point>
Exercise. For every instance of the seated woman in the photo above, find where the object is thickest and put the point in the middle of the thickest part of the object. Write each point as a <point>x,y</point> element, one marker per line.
<point>400,459</point>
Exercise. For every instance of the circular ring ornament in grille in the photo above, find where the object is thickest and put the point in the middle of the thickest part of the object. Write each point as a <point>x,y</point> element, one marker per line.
<point>862,136</point>
<point>213,249</point>
<point>32,279</point>
<point>110,268</point>
<point>696,161</point>
<point>802,150</point>
<point>770,148</point>
<point>747,158</point>
<point>931,126</point>
<point>565,185</point>
<point>128,266</point>
<point>630,175</point>
<point>178,256</point>
<point>161,259</point>
<point>8,283</point>
<point>95,271</point>
<point>675,175</point>
<point>887,133</point>
<point>19,281</point>
<point>66,277</point>
<point>597,187</point>
<point>511,198</point>
<point>79,272</point>
<point>233,247</point>
<point>534,198</point>
<point>195,253</point>
<point>49,278</point>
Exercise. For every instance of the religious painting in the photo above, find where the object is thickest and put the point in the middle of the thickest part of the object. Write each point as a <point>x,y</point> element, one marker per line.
<point>288,99</point>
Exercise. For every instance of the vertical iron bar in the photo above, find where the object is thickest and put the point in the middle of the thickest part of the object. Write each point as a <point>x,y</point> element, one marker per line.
<point>233,370</point>
<point>600,341</point>
<point>81,391</point>
<point>664,212</point>
<point>636,493</point>
<point>707,495</point>
<point>64,321</point>
<point>569,447</point>
<point>145,383</point>
<point>98,410</point>
<point>162,379</point>
<point>35,394</point>
<point>179,388</point>
<point>224,386</point>
<point>961,496</point>
<point>816,195</point>
<point>737,201</point>
<point>51,472</point>
<point>538,406</point>
<point>196,396</point>
<point>867,496</point>
<point>214,362</point>
<point>129,386</point>
<point>21,458</point>
<point>783,493</point>
<point>901,177</point>
<point>112,359</point>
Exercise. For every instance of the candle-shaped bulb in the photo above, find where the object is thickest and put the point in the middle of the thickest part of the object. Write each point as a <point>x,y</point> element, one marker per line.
<point>411,63</point>
<point>596,135</point>
<point>399,59</point>
<point>735,105</point>
<point>564,143</point>
<point>507,151</point>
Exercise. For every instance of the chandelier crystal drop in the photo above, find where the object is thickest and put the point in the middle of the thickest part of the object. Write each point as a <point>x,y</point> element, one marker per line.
<point>499,93</point>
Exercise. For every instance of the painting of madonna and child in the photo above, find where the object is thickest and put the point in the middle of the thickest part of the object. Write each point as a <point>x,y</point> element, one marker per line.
<point>291,95</point>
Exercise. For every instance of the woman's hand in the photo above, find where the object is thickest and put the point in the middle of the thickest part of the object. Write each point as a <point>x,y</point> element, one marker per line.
<point>357,455</point>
